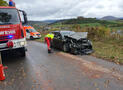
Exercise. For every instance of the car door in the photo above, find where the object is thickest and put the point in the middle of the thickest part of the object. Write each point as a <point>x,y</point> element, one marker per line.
<point>59,41</point>
<point>27,34</point>
<point>55,40</point>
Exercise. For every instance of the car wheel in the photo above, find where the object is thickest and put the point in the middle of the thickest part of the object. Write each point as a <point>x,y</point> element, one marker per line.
<point>31,38</point>
<point>74,51</point>
<point>65,48</point>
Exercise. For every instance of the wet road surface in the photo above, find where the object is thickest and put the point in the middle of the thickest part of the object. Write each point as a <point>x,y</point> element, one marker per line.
<point>59,71</point>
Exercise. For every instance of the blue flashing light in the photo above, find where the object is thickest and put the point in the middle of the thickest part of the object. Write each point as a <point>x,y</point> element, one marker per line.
<point>10,3</point>
<point>10,36</point>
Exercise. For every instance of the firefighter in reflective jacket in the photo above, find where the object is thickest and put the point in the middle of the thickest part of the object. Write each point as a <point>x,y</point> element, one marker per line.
<point>48,38</point>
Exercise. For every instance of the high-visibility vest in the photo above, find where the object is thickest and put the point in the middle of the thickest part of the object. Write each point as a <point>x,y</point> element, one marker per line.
<point>50,36</point>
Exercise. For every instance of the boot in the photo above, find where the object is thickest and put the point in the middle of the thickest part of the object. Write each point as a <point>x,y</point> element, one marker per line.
<point>49,50</point>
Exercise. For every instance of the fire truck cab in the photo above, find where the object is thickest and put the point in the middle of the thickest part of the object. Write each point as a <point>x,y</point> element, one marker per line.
<point>12,33</point>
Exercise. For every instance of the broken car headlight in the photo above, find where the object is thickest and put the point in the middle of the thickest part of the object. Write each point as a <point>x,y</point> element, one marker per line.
<point>90,42</point>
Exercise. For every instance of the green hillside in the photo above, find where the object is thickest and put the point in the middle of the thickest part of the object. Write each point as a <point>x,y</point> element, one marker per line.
<point>88,22</point>
<point>3,3</point>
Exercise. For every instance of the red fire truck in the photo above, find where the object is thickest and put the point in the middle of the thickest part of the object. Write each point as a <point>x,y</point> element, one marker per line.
<point>12,34</point>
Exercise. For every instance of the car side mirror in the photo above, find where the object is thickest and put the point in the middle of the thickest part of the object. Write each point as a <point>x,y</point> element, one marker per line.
<point>27,31</point>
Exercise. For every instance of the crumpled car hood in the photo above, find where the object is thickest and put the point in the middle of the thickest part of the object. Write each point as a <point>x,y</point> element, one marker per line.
<point>79,35</point>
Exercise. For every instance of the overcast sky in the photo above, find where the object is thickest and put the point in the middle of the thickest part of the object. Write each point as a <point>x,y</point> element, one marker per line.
<point>60,9</point>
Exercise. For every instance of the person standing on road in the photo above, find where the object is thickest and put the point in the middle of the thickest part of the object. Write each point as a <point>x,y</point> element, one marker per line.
<point>48,39</point>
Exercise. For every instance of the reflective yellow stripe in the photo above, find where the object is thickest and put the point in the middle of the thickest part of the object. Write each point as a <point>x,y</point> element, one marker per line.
<point>50,36</point>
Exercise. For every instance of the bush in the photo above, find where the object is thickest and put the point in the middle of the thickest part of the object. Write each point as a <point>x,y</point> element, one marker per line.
<point>3,3</point>
<point>98,33</point>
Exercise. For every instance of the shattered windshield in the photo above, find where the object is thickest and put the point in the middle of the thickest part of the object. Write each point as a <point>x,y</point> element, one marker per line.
<point>79,35</point>
<point>66,33</point>
<point>8,16</point>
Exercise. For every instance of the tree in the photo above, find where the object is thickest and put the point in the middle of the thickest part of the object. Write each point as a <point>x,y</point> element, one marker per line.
<point>3,3</point>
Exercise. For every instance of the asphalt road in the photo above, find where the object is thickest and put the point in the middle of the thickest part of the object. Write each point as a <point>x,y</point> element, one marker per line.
<point>59,71</point>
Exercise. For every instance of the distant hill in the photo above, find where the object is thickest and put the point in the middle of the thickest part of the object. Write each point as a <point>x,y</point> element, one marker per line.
<point>121,18</point>
<point>37,22</point>
<point>45,22</point>
<point>109,18</point>
<point>50,21</point>
<point>59,21</point>
<point>84,21</point>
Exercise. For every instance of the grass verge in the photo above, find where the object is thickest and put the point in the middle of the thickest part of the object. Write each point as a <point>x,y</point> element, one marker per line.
<point>109,50</point>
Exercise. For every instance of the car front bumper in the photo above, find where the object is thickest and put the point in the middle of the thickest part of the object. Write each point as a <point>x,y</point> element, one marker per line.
<point>37,36</point>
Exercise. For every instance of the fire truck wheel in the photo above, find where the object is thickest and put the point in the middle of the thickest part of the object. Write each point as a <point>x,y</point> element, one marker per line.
<point>23,52</point>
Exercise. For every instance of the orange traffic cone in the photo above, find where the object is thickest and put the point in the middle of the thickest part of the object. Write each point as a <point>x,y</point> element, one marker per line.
<point>2,75</point>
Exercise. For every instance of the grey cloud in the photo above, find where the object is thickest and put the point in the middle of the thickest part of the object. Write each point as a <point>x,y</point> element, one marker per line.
<point>100,6</point>
<point>56,9</point>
